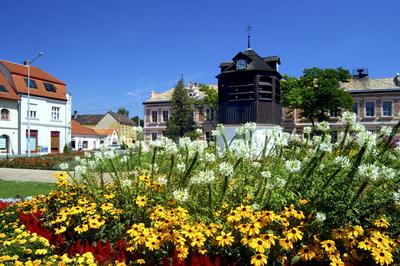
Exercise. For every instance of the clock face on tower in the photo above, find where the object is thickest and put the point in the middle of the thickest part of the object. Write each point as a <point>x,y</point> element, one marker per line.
<point>241,64</point>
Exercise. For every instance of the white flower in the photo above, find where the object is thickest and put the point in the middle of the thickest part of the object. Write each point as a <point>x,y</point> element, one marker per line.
<point>87,154</point>
<point>348,117</point>
<point>203,177</point>
<point>255,207</point>
<point>366,138</point>
<point>63,166</point>
<point>386,130</point>
<point>181,167</point>
<point>323,126</point>
<point>181,195</point>
<point>80,169</point>
<point>226,169</point>
<point>239,148</point>
<point>293,166</point>
<point>162,180</point>
<point>342,161</point>
<point>124,159</point>
<point>325,146</point>
<point>317,140</point>
<point>92,164</point>
<point>396,196</point>
<point>307,130</point>
<point>320,216</point>
<point>209,157</point>
<point>369,170</point>
<point>280,182</point>
<point>358,128</point>
<point>199,131</point>
<point>126,183</point>
<point>266,174</point>
<point>138,129</point>
<point>218,131</point>
<point>251,126</point>
<point>388,172</point>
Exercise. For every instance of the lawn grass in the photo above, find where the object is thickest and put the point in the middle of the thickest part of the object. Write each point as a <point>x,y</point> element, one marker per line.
<point>9,189</point>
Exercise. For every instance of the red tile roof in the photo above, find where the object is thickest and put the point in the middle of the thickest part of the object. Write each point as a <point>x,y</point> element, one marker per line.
<point>20,72</point>
<point>11,95</point>
<point>104,132</point>
<point>78,129</point>
<point>36,73</point>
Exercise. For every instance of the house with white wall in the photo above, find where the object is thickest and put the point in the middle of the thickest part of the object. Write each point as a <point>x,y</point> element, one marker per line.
<point>9,103</point>
<point>50,108</point>
<point>84,138</point>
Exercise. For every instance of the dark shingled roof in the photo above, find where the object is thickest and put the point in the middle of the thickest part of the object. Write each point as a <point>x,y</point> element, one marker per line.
<point>89,119</point>
<point>123,119</point>
<point>254,61</point>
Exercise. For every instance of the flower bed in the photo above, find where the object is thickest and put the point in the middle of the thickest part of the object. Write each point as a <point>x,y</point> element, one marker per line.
<point>43,162</point>
<point>291,201</point>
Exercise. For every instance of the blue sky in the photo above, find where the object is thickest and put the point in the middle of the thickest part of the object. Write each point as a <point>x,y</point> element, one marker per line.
<point>105,49</point>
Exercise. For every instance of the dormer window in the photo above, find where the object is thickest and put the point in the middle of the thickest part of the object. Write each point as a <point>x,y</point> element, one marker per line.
<point>32,83</point>
<point>49,87</point>
<point>3,88</point>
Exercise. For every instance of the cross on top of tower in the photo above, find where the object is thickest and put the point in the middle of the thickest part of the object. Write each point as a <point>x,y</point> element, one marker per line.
<point>248,29</point>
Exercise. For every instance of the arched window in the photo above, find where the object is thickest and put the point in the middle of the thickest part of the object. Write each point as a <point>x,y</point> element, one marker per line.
<point>5,114</point>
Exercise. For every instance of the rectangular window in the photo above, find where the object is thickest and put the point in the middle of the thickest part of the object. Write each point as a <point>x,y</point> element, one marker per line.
<point>33,114</point>
<point>210,114</point>
<point>3,143</point>
<point>33,140</point>
<point>369,109</point>
<point>3,89</point>
<point>386,108</point>
<point>32,82</point>
<point>85,144</point>
<point>73,144</point>
<point>5,114</point>
<point>154,116</point>
<point>354,108</point>
<point>165,115</point>
<point>333,113</point>
<point>153,136</point>
<point>49,87</point>
<point>55,113</point>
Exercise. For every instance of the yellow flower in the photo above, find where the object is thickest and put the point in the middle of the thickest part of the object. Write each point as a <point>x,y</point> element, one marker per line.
<point>198,240</point>
<point>382,256</point>
<point>41,251</point>
<point>109,196</point>
<point>259,259</point>
<point>306,253</point>
<point>140,261</point>
<point>286,244</point>
<point>225,239</point>
<point>365,245</point>
<point>336,260</point>
<point>293,234</point>
<point>153,243</point>
<point>381,240</point>
<point>259,244</point>
<point>328,246</point>
<point>60,230</point>
<point>382,223</point>
<point>81,228</point>
<point>141,201</point>
<point>303,201</point>
<point>252,229</point>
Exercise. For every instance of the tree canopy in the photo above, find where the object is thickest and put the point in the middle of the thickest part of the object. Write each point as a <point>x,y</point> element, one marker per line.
<point>181,121</point>
<point>123,111</point>
<point>317,92</point>
<point>209,100</point>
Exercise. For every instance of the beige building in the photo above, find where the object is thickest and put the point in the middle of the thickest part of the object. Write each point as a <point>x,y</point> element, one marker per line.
<point>157,110</point>
<point>123,125</point>
<point>376,103</point>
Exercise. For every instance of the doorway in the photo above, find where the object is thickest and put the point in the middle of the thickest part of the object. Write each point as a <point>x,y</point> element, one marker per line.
<point>55,141</point>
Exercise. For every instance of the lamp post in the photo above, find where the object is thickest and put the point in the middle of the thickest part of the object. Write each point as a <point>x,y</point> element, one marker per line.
<point>136,95</point>
<point>28,65</point>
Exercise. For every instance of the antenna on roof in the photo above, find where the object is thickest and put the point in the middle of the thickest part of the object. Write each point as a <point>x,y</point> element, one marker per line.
<point>248,29</point>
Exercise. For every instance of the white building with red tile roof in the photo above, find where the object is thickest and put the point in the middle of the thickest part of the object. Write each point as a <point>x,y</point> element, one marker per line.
<point>84,138</point>
<point>50,109</point>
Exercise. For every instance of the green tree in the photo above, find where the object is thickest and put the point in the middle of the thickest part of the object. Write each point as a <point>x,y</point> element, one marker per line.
<point>181,121</point>
<point>136,119</point>
<point>123,111</point>
<point>317,92</point>
<point>210,100</point>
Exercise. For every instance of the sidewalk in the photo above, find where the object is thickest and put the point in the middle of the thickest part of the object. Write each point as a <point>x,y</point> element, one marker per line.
<point>12,174</point>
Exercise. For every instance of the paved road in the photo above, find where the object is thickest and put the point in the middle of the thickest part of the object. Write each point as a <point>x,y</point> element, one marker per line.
<point>12,174</point>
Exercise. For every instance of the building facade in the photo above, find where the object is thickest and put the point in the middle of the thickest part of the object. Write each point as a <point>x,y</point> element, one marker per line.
<point>9,104</point>
<point>376,103</point>
<point>50,109</point>
<point>84,138</point>
<point>158,108</point>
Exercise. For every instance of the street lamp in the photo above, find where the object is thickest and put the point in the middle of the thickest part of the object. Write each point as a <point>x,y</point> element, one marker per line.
<point>28,65</point>
<point>136,95</point>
